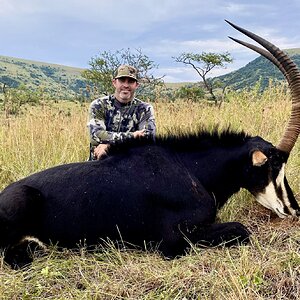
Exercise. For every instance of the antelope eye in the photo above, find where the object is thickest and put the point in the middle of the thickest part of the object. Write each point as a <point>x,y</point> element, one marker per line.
<point>276,163</point>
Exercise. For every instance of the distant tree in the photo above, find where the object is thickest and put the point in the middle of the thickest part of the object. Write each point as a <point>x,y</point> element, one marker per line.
<point>15,98</point>
<point>104,66</point>
<point>192,92</point>
<point>203,63</point>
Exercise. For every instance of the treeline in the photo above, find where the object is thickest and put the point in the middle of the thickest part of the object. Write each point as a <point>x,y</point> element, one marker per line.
<point>57,83</point>
<point>13,98</point>
<point>35,83</point>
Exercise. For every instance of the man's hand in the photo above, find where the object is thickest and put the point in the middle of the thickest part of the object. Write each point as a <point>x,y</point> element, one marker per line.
<point>139,133</point>
<point>101,150</point>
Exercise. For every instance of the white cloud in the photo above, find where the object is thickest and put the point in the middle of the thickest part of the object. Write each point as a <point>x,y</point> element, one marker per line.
<point>178,74</point>
<point>235,8</point>
<point>169,48</point>
<point>74,30</point>
<point>6,7</point>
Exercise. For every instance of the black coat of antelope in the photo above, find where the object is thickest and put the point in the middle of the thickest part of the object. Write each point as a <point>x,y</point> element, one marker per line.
<point>164,194</point>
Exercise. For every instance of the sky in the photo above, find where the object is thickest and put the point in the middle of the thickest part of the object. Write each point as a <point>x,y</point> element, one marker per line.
<point>71,32</point>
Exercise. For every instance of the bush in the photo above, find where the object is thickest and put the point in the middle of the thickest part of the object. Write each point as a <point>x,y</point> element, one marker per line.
<point>14,98</point>
<point>193,93</point>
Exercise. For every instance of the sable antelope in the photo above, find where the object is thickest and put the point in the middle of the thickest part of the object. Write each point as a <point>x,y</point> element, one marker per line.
<point>164,193</point>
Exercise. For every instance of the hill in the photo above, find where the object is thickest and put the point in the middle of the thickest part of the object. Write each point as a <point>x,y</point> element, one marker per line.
<point>63,82</point>
<point>58,80</point>
<point>258,69</point>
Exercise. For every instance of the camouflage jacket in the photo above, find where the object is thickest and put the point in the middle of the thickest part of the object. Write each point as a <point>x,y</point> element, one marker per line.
<point>111,121</point>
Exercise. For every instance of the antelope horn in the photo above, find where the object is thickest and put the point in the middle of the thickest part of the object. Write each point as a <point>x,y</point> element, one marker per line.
<point>264,53</point>
<point>291,72</point>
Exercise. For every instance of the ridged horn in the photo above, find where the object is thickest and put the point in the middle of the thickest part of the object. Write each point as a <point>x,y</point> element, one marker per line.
<point>292,74</point>
<point>264,53</point>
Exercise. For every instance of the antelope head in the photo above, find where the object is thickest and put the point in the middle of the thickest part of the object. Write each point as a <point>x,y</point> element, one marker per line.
<point>275,192</point>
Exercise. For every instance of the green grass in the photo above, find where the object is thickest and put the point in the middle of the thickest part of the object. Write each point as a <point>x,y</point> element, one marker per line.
<point>267,268</point>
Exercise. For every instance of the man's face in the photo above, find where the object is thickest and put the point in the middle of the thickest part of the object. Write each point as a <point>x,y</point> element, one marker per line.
<point>125,88</point>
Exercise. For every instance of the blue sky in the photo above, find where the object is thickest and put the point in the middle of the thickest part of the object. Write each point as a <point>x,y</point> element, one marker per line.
<point>71,32</point>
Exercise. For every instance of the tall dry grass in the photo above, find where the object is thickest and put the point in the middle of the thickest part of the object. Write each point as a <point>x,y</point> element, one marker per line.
<point>267,268</point>
<point>42,137</point>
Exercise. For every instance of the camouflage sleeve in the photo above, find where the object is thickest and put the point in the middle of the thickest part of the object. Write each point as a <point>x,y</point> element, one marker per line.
<point>97,128</point>
<point>148,121</point>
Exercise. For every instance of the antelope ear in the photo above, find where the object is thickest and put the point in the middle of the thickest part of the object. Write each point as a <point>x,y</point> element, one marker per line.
<point>258,158</point>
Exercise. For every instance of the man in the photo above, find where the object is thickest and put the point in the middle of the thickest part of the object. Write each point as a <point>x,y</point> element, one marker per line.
<point>121,116</point>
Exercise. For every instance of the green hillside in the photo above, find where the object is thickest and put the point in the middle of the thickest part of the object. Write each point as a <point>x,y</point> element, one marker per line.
<point>65,82</point>
<point>58,80</point>
<point>258,69</point>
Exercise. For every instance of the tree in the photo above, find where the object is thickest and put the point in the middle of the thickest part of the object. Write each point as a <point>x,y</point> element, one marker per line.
<point>191,92</point>
<point>15,98</point>
<point>105,65</point>
<point>203,63</point>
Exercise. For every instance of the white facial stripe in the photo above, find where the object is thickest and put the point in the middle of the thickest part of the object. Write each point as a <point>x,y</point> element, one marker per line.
<point>280,183</point>
<point>270,200</point>
<point>280,177</point>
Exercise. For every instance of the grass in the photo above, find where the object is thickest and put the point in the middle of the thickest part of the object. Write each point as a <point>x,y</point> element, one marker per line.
<point>267,268</point>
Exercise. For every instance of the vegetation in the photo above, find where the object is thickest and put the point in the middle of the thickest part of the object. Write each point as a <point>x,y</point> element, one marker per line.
<point>62,82</point>
<point>57,81</point>
<point>14,99</point>
<point>103,69</point>
<point>191,92</point>
<point>203,63</point>
<point>267,268</point>
<point>259,70</point>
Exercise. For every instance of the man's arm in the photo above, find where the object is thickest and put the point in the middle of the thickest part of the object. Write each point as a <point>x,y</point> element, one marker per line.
<point>147,122</point>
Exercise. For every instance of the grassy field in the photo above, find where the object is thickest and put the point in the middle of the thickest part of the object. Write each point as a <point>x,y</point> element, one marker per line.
<point>267,268</point>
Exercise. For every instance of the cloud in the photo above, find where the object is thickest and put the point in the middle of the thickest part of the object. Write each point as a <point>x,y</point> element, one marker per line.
<point>173,48</point>
<point>73,31</point>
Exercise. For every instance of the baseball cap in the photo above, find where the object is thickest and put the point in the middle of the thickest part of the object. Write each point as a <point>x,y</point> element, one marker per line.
<point>127,71</point>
